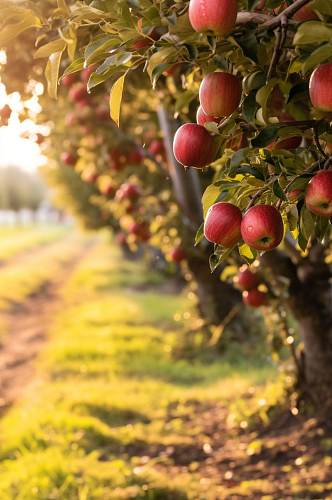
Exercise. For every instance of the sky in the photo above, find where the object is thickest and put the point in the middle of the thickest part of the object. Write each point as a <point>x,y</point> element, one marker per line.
<point>16,149</point>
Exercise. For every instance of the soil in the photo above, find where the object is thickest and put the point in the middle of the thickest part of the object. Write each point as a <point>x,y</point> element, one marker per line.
<point>27,325</point>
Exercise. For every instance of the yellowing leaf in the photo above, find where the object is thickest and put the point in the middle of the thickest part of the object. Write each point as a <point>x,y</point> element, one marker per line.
<point>63,7</point>
<point>23,20</point>
<point>50,48</point>
<point>116,98</point>
<point>52,73</point>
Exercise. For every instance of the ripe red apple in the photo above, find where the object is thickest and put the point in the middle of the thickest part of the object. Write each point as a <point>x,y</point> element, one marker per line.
<point>87,72</point>
<point>246,279</point>
<point>127,191</point>
<point>172,69</point>
<point>118,159</point>
<point>135,156</point>
<point>194,146</point>
<point>140,230</point>
<point>320,88</point>
<point>220,93</point>
<point>69,158</point>
<point>262,227</point>
<point>202,117</point>
<point>223,224</point>
<point>68,80</point>
<point>318,197</point>
<point>157,147</point>
<point>254,298</point>
<point>144,42</point>
<point>177,254</point>
<point>294,195</point>
<point>218,16</point>
<point>288,143</point>
<point>305,13</point>
<point>78,93</point>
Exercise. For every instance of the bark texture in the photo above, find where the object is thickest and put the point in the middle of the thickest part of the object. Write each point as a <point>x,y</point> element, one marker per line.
<point>310,300</point>
<point>216,298</point>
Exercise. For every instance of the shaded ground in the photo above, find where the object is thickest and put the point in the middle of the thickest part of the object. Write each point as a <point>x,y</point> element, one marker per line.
<point>114,413</point>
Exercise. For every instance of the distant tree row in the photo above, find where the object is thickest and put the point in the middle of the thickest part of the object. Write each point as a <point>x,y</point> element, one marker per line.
<point>20,190</point>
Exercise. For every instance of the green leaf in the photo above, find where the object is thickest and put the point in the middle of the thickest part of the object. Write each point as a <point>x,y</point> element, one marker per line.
<point>162,56</point>
<point>277,191</point>
<point>75,66</point>
<point>199,235</point>
<point>249,107</point>
<point>50,48</point>
<point>312,33</point>
<point>217,258</point>
<point>52,73</point>
<point>317,57</point>
<point>248,253</point>
<point>210,195</point>
<point>307,223</point>
<point>265,136</point>
<point>98,47</point>
<point>116,99</point>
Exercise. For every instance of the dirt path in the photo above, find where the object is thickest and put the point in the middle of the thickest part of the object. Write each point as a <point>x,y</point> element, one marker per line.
<point>28,324</point>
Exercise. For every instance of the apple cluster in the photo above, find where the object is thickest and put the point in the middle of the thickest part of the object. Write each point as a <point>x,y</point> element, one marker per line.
<point>248,282</point>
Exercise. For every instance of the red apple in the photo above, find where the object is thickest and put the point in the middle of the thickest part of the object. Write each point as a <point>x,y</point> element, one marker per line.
<point>69,158</point>
<point>305,13</point>
<point>254,298</point>
<point>194,146</point>
<point>118,159</point>
<point>144,42</point>
<point>220,93</point>
<point>177,254</point>
<point>320,88</point>
<point>68,80</point>
<point>246,279</point>
<point>262,227</point>
<point>294,195</point>
<point>127,191</point>
<point>218,16</point>
<point>157,147</point>
<point>135,156</point>
<point>87,72</point>
<point>78,93</point>
<point>202,117</point>
<point>140,230</point>
<point>318,197</point>
<point>223,224</point>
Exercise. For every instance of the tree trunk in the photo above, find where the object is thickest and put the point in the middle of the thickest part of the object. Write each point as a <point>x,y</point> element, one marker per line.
<point>216,298</point>
<point>310,301</point>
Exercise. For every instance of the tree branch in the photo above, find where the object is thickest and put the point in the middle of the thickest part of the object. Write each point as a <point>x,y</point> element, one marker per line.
<point>266,21</point>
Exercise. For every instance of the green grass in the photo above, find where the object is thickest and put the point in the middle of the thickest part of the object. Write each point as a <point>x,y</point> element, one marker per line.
<point>104,385</point>
<point>17,240</point>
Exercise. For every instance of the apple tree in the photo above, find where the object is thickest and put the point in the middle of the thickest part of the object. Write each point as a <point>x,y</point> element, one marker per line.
<point>243,92</point>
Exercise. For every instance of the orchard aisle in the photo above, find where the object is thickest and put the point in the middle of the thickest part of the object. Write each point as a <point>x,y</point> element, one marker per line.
<point>115,412</point>
<point>26,316</point>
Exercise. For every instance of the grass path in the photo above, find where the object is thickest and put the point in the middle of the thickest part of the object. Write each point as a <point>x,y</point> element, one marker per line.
<point>114,413</point>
